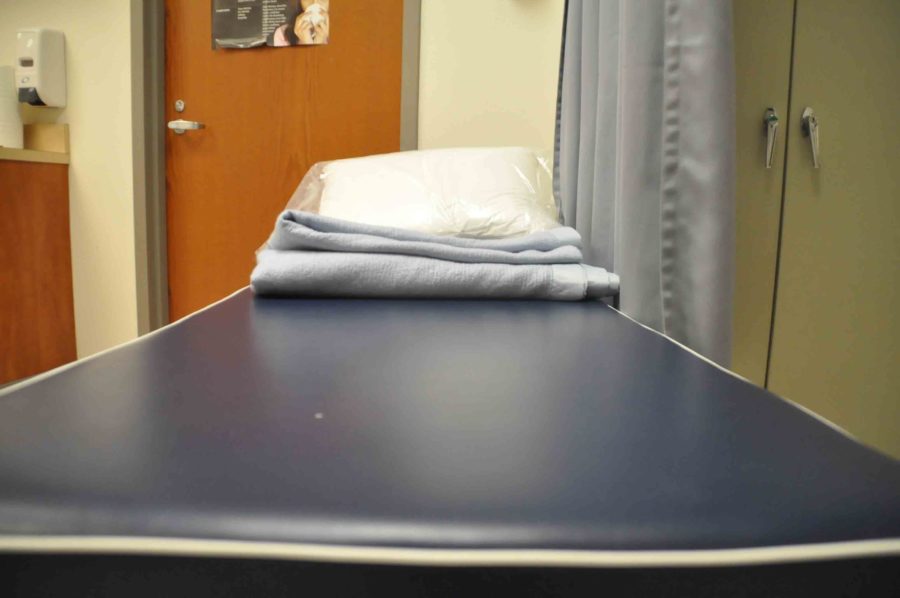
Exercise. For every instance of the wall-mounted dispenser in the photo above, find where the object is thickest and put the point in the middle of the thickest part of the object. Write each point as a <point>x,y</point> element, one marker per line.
<point>41,67</point>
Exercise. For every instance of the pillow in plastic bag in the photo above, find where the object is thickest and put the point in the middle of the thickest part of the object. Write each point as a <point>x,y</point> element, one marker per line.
<point>466,192</point>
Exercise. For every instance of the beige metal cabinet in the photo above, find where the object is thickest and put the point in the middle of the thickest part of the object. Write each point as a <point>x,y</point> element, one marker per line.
<point>762,40</point>
<point>834,345</point>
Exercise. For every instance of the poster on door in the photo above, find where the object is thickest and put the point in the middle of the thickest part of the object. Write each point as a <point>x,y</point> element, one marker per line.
<point>276,23</point>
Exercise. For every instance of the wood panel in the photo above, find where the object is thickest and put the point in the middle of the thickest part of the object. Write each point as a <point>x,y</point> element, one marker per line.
<point>37,319</point>
<point>270,113</point>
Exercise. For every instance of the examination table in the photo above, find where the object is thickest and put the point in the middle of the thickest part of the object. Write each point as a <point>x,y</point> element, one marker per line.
<point>393,447</point>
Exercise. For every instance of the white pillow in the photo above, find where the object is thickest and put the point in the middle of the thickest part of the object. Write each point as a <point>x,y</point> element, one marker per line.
<point>469,192</point>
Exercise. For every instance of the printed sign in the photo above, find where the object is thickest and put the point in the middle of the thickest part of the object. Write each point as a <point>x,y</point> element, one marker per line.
<point>276,23</point>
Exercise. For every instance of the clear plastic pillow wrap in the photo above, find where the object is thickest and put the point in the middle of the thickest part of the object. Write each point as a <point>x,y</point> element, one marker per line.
<point>465,192</point>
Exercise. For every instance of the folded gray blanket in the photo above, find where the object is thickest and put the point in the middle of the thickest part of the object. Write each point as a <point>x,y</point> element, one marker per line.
<point>302,230</point>
<point>314,255</point>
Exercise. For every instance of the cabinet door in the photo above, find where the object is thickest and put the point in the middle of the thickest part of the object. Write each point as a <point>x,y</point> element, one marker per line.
<point>762,45</point>
<point>836,336</point>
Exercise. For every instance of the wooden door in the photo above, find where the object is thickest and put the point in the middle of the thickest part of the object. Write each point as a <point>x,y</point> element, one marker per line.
<point>269,113</point>
<point>763,31</point>
<point>836,337</point>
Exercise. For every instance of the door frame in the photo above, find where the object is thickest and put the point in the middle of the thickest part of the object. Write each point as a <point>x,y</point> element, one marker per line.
<point>409,83</point>
<point>149,150</point>
<point>148,123</point>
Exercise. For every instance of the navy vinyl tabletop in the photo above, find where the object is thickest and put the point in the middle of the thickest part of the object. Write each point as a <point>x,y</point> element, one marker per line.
<point>428,425</point>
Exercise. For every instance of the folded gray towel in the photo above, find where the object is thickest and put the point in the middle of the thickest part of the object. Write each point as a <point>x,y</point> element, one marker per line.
<point>313,255</point>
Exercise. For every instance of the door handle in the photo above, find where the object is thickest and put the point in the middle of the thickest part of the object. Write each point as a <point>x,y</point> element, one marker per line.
<point>770,123</point>
<point>181,125</point>
<point>811,129</point>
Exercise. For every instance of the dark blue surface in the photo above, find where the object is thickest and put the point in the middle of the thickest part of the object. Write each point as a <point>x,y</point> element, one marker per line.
<point>430,424</point>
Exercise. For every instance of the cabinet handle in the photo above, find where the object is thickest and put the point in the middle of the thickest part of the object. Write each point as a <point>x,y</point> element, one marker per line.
<point>770,123</point>
<point>811,130</point>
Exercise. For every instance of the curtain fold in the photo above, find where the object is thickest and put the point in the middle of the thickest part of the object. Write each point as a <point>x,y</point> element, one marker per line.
<point>645,158</point>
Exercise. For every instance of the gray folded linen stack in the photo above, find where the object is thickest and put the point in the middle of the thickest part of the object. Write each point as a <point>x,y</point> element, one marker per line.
<point>312,255</point>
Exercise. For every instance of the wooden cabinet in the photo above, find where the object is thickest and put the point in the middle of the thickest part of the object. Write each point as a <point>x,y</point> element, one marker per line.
<point>37,322</point>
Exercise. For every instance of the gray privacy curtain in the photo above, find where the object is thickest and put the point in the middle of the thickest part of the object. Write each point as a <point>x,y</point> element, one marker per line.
<point>645,158</point>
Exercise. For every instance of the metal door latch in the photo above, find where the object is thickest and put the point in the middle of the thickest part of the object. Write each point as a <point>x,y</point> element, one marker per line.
<point>811,129</point>
<point>180,126</point>
<point>770,122</point>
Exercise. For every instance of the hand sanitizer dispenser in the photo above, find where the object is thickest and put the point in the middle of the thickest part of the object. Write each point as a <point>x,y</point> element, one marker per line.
<point>41,67</point>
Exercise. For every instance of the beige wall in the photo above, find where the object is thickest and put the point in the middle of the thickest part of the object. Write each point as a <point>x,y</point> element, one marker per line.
<point>101,194</point>
<point>488,72</point>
